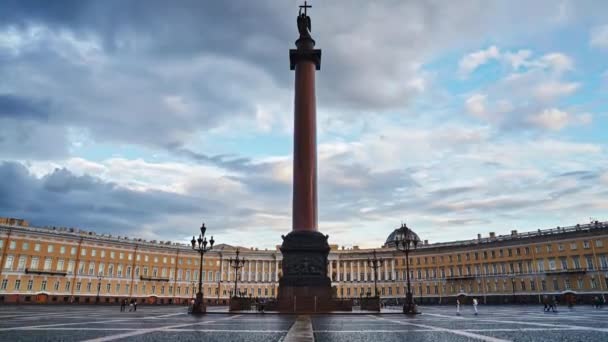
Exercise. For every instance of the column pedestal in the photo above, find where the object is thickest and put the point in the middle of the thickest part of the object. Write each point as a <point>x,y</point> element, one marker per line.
<point>305,286</point>
<point>199,306</point>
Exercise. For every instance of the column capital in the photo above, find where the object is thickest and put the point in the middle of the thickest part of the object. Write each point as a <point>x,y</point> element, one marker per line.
<point>297,55</point>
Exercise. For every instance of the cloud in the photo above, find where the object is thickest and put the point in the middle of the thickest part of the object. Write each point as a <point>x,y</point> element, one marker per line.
<point>556,61</point>
<point>472,61</point>
<point>179,105</point>
<point>171,72</point>
<point>518,59</point>
<point>555,119</point>
<point>599,37</point>
<point>89,201</point>
<point>553,89</point>
<point>17,107</point>
<point>476,105</point>
<point>520,99</point>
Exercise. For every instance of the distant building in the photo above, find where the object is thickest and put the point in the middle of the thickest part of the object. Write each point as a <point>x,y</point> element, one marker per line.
<point>63,265</point>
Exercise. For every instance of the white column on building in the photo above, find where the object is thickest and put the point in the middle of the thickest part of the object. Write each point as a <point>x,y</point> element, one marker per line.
<point>385,264</point>
<point>393,269</point>
<point>223,267</point>
<point>359,270</point>
<point>256,278</point>
<point>352,270</point>
<point>338,270</point>
<point>331,269</point>
<point>365,270</point>
<point>249,270</point>
<point>276,270</point>
<point>229,274</point>
<point>264,271</point>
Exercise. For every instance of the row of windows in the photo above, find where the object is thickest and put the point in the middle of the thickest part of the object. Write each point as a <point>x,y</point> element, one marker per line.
<point>122,271</point>
<point>550,264</point>
<point>84,251</point>
<point>510,252</point>
<point>506,285</point>
<point>92,288</point>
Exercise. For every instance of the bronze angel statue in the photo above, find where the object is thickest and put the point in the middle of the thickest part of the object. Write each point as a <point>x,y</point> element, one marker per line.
<point>303,24</point>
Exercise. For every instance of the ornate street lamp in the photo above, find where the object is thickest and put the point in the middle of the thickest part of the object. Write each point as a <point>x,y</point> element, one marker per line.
<point>236,263</point>
<point>193,283</point>
<point>513,287</point>
<point>98,287</point>
<point>201,248</point>
<point>375,263</point>
<point>405,240</point>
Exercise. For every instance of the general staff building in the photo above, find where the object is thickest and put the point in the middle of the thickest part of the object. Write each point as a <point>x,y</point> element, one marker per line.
<point>68,265</point>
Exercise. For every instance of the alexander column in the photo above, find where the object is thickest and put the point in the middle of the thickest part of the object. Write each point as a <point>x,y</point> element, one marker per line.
<point>304,286</point>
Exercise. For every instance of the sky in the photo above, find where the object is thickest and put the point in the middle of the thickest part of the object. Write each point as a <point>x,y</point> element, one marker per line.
<point>146,118</point>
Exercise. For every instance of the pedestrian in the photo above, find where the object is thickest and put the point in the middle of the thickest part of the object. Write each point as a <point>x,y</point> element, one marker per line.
<point>131,305</point>
<point>122,305</point>
<point>135,305</point>
<point>457,307</point>
<point>475,305</point>
<point>554,304</point>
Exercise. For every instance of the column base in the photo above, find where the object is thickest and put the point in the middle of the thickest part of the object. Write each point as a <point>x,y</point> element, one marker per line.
<point>199,306</point>
<point>305,286</point>
<point>409,308</point>
<point>370,303</point>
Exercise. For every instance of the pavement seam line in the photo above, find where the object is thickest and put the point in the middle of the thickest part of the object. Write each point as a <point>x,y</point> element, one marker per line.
<point>146,331</point>
<point>456,332</point>
<point>300,331</point>
<point>547,325</point>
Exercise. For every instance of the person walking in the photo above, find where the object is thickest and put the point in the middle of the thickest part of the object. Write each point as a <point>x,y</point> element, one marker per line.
<point>546,303</point>
<point>554,304</point>
<point>475,305</point>
<point>122,305</point>
<point>457,307</point>
<point>134,305</point>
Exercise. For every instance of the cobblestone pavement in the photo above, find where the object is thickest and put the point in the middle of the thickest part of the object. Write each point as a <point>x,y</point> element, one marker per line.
<point>493,323</point>
<point>437,323</point>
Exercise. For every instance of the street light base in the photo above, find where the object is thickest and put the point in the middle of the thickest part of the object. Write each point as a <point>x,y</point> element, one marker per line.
<point>410,309</point>
<point>199,306</point>
<point>199,309</point>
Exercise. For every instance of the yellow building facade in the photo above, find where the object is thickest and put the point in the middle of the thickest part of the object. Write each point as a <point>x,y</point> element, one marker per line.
<point>66,265</point>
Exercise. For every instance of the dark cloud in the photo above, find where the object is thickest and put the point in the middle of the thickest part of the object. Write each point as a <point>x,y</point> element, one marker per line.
<point>159,72</point>
<point>18,107</point>
<point>441,193</point>
<point>581,174</point>
<point>62,198</point>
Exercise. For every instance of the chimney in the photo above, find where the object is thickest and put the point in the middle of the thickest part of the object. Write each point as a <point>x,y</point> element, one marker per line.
<point>426,242</point>
<point>492,235</point>
<point>478,236</point>
<point>514,232</point>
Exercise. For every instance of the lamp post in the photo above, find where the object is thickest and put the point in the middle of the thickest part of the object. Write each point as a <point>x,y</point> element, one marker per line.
<point>405,240</point>
<point>201,248</point>
<point>236,263</point>
<point>98,288</point>
<point>374,263</point>
<point>513,287</point>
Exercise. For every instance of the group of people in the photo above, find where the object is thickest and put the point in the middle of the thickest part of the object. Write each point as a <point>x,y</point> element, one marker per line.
<point>475,303</point>
<point>598,302</point>
<point>132,305</point>
<point>550,304</point>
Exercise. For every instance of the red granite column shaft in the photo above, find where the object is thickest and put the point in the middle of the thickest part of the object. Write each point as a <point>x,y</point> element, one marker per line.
<point>305,149</point>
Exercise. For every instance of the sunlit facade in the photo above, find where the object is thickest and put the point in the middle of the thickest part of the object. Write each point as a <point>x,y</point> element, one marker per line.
<point>65,265</point>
